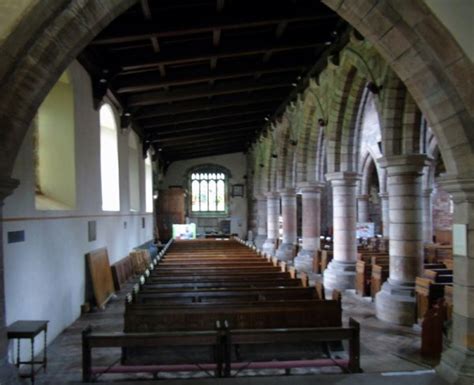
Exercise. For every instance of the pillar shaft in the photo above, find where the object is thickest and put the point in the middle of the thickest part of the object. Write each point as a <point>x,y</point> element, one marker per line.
<point>340,273</point>
<point>363,208</point>
<point>385,208</point>
<point>311,229</point>
<point>396,301</point>
<point>457,362</point>
<point>427,216</point>
<point>287,249</point>
<point>273,212</point>
<point>261,221</point>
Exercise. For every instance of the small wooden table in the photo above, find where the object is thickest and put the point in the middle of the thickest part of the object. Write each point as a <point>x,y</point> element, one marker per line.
<point>29,330</point>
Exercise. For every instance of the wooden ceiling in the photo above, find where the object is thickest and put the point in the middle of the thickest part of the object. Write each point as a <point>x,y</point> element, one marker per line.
<point>205,77</point>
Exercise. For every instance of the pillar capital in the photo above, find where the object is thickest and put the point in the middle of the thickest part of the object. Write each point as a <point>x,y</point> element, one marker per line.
<point>309,187</point>
<point>460,187</point>
<point>272,195</point>
<point>343,177</point>
<point>404,164</point>
<point>7,186</point>
<point>287,192</point>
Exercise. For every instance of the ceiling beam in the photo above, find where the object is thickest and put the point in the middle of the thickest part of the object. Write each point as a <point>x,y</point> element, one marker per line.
<point>141,83</point>
<point>246,129</point>
<point>190,155</point>
<point>147,30</point>
<point>197,53</point>
<point>206,116</point>
<point>172,130</point>
<point>158,134</point>
<point>236,87</point>
<point>254,100</point>
<point>192,141</point>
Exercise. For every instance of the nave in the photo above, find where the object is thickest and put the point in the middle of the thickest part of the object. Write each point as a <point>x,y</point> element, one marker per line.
<point>385,348</point>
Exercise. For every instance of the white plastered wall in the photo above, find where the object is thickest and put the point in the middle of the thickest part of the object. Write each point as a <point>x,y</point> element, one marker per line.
<point>45,274</point>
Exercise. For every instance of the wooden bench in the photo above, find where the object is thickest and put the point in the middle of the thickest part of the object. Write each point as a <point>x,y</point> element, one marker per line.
<point>221,345</point>
<point>122,271</point>
<point>378,277</point>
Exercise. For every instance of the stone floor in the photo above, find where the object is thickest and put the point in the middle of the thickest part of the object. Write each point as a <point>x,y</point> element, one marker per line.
<point>389,354</point>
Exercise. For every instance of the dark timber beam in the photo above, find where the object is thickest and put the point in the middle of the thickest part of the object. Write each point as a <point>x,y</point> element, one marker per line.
<point>229,126</point>
<point>174,156</point>
<point>141,83</point>
<point>147,30</point>
<point>236,87</point>
<point>196,142</point>
<point>197,53</point>
<point>226,134</point>
<point>254,100</point>
<point>206,116</point>
<point>194,127</point>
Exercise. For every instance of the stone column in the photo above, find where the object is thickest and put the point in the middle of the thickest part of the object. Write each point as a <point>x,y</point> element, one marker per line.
<point>396,301</point>
<point>286,251</point>
<point>8,372</point>
<point>261,221</point>
<point>273,212</point>
<point>340,273</point>
<point>384,203</point>
<point>457,362</point>
<point>362,208</point>
<point>311,218</point>
<point>427,216</point>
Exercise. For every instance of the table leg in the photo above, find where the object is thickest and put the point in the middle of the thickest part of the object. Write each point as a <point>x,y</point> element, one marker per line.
<point>18,353</point>
<point>45,358</point>
<point>32,360</point>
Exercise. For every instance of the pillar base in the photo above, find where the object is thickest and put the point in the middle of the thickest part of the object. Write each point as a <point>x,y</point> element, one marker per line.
<point>269,246</point>
<point>339,276</point>
<point>457,366</point>
<point>304,261</point>
<point>396,304</point>
<point>286,252</point>
<point>260,240</point>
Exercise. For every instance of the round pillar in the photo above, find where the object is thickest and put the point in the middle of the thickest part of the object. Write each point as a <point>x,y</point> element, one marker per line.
<point>427,216</point>
<point>457,361</point>
<point>273,212</point>
<point>286,251</point>
<point>261,221</point>
<point>396,301</point>
<point>384,203</point>
<point>311,229</point>
<point>340,273</point>
<point>362,208</point>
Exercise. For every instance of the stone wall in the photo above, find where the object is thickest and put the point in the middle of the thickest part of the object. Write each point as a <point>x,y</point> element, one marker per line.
<point>442,209</point>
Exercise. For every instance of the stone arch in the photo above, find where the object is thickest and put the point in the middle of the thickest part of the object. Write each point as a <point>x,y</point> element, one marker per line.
<point>33,61</point>
<point>440,84</point>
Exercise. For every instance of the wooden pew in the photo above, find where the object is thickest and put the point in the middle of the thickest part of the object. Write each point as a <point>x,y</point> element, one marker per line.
<point>122,271</point>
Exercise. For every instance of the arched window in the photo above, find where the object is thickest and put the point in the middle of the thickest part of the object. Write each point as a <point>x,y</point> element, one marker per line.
<point>54,143</point>
<point>148,184</point>
<point>109,166</point>
<point>208,185</point>
<point>133,171</point>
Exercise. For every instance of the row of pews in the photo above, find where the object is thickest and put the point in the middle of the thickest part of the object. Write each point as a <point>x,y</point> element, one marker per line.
<point>221,306</point>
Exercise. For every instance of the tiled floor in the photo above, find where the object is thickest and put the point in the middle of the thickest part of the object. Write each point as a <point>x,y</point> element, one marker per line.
<point>384,348</point>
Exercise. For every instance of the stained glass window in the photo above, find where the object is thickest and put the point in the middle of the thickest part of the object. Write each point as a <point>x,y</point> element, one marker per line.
<point>208,191</point>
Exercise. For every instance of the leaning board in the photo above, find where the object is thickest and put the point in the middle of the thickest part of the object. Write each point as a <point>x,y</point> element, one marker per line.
<point>101,275</point>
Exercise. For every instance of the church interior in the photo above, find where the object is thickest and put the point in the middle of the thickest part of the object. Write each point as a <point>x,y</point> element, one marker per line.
<point>237,192</point>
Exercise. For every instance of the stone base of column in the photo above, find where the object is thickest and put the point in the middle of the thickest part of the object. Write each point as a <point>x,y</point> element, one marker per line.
<point>9,373</point>
<point>396,304</point>
<point>304,261</point>
<point>339,276</point>
<point>269,246</point>
<point>457,366</point>
<point>260,240</point>
<point>286,252</point>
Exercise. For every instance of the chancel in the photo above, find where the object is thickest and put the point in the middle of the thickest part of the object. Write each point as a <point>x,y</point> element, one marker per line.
<point>230,192</point>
